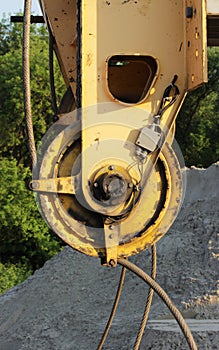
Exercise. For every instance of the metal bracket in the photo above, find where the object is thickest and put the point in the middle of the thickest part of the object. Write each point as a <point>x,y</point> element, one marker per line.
<point>33,19</point>
<point>56,185</point>
<point>111,244</point>
<point>148,139</point>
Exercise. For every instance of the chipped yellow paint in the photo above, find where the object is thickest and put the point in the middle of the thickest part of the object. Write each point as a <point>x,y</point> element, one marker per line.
<point>110,41</point>
<point>196,37</point>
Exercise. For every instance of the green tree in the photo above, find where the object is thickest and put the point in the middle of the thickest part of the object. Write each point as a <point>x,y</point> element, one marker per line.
<point>12,125</point>
<point>197,130</point>
<point>10,36</point>
<point>24,236</point>
<point>25,240</point>
<point>12,274</point>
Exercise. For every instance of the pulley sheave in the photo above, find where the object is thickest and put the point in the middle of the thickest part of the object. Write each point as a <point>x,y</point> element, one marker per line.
<point>116,211</point>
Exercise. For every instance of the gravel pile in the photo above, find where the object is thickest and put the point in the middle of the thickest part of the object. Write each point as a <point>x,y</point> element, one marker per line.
<point>66,304</point>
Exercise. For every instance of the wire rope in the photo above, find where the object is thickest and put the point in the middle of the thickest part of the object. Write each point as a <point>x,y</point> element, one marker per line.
<point>149,299</point>
<point>115,305</point>
<point>147,307</point>
<point>162,294</point>
<point>51,75</point>
<point>26,81</point>
<point>154,286</point>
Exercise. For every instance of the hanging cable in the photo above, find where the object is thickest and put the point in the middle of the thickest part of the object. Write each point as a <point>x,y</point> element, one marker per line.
<point>26,81</point>
<point>51,74</point>
<point>162,294</point>
<point>147,307</point>
<point>149,299</point>
<point>115,305</point>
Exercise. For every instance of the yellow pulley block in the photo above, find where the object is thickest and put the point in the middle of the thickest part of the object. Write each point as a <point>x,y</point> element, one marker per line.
<point>119,202</point>
<point>108,181</point>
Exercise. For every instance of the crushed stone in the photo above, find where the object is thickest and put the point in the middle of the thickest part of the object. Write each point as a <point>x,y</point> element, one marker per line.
<point>65,305</point>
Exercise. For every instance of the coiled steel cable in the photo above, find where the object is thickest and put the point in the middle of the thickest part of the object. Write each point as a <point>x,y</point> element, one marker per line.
<point>26,81</point>
<point>162,294</point>
<point>115,305</point>
<point>149,299</point>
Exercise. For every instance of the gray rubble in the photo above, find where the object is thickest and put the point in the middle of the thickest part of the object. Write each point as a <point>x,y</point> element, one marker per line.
<point>65,305</point>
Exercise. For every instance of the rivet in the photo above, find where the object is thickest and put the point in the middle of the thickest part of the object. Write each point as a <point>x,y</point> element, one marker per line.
<point>111,167</point>
<point>34,185</point>
<point>112,263</point>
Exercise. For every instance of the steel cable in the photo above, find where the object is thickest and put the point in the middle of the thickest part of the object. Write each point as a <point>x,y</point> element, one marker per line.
<point>115,305</point>
<point>149,299</point>
<point>51,75</point>
<point>162,294</point>
<point>125,263</point>
<point>147,307</point>
<point>26,81</point>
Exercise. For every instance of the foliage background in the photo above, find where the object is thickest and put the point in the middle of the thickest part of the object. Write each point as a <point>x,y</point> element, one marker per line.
<point>197,130</point>
<point>25,240</point>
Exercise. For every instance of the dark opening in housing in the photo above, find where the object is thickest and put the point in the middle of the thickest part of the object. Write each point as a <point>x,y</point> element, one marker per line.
<point>130,77</point>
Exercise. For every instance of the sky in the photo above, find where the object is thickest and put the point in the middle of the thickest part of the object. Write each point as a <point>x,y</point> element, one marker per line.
<point>213,6</point>
<point>14,6</point>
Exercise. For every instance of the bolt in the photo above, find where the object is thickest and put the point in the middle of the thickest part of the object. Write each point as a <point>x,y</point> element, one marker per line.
<point>111,167</point>
<point>112,263</point>
<point>55,118</point>
<point>95,184</point>
<point>130,185</point>
<point>111,227</point>
<point>34,185</point>
<point>189,12</point>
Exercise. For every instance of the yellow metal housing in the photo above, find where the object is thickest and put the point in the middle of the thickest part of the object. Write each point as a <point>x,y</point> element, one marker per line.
<point>109,182</point>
